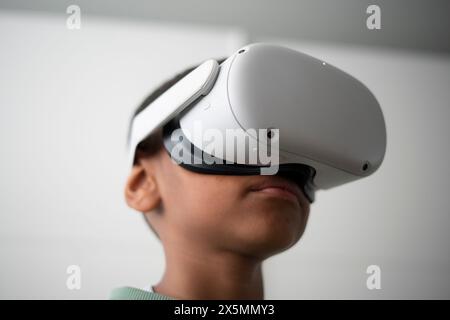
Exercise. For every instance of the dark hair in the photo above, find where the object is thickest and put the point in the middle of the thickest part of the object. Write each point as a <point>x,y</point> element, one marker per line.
<point>153,143</point>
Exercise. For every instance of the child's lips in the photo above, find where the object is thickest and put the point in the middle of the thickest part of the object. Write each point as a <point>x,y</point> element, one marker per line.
<point>279,187</point>
<point>279,192</point>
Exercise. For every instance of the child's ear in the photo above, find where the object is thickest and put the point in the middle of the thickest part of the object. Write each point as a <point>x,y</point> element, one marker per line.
<point>141,190</point>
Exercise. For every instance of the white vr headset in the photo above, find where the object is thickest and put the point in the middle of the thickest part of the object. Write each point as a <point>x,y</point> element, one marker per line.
<point>330,127</point>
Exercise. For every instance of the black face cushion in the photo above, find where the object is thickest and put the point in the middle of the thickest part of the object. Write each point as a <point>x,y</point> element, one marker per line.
<point>301,174</point>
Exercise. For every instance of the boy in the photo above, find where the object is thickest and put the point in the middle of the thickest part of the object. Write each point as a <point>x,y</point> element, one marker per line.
<point>216,230</point>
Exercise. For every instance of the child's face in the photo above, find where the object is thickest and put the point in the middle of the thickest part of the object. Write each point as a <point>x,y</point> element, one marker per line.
<point>225,211</point>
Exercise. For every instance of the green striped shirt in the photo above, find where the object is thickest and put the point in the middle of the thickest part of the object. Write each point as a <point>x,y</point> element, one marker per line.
<point>129,293</point>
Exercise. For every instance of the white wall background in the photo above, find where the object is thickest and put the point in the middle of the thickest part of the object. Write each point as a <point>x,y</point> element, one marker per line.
<point>65,100</point>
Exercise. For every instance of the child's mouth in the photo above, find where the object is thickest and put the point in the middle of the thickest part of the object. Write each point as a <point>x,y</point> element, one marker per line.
<point>280,188</point>
<point>279,193</point>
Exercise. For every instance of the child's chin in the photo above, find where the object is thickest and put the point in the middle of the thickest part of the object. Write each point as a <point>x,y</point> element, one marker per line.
<point>269,246</point>
<point>264,239</point>
<point>264,226</point>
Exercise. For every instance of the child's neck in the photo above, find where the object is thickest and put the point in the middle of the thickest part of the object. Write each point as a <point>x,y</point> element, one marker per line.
<point>210,274</point>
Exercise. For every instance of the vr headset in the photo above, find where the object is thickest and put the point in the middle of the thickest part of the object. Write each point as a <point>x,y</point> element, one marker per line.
<point>328,127</point>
